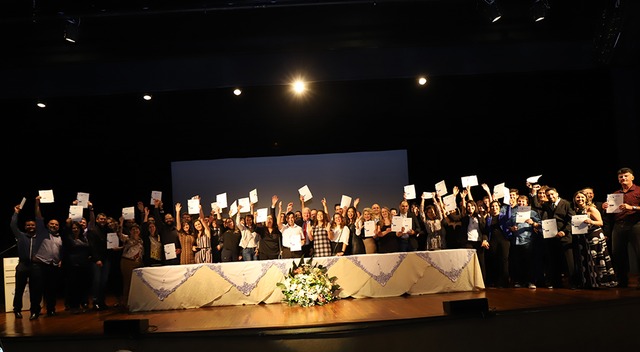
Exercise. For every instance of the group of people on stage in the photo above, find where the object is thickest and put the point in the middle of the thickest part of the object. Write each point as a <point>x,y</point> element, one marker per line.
<point>512,248</point>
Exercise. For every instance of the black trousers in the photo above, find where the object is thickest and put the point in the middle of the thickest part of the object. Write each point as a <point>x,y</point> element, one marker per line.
<point>24,277</point>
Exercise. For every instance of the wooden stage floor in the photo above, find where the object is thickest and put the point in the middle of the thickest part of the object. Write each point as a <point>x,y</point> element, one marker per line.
<point>282,316</point>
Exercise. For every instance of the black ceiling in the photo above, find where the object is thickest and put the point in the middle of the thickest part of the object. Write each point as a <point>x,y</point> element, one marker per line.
<point>149,45</point>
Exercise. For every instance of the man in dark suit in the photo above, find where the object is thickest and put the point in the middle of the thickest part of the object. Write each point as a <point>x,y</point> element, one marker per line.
<point>559,257</point>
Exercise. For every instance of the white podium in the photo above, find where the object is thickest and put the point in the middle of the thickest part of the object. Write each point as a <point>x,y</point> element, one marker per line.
<point>10,286</point>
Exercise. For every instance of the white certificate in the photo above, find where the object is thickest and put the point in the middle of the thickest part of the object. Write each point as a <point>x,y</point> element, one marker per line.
<point>615,200</point>
<point>533,179</point>
<point>262,214</point>
<point>75,212</point>
<point>449,202</point>
<point>549,228</point>
<point>441,188</point>
<point>396,223</point>
<point>245,205</point>
<point>369,228</point>
<point>128,213</point>
<point>523,213</point>
<point>292,241</point>
<point>469,181</point>
<point>46,196</point>
<point>305,192</point>
<point>578,226</point>
<point>410,191</point>
<point>345,201</point>
<point>170,251</point>
<point>233,209</point>
<point>83,199</point>
<point>253,196</point>
<point>155,195</point>
<point>221,200</point>
<point>499,190</point>
<point>193,206</point>
<point>112,240</point>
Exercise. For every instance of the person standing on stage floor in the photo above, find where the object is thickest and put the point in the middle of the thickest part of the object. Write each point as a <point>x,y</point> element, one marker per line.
<point>339,235</point>
<point>306,222</point>
<point>269,237</point>
<point>165,222</point>
<point>186,235</point>
<point>203,239</point>
<point>28,243</point>
<point>291,232</point>
<point>229,245</point>
<point>356,243</point>
<point>369,242</point>
<point>593,263</point>
<point>606,218</point>
<point>77,266</point>
<point>48,260</point>
<point>500,236</point>
<point>432,219</point>
<point>249,237</point>
<point>153,251</point>
<point>559,248</point>
<point>387,239</point>
<point>100,260</point>
<point>525,239</point>
<point>407,237</point>
<point>473,229</point>
<point>320,235</point>
<point>216,230</point>
<point>625,227</point>
<point>132,255</point>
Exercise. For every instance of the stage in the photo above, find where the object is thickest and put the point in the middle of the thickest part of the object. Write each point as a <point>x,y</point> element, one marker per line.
<point>517,318</point>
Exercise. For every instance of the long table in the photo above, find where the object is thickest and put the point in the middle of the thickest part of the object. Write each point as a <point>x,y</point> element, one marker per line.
<point>254,282</point>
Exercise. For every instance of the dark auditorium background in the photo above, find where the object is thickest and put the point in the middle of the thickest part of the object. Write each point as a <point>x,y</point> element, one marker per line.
<point>504,100</point>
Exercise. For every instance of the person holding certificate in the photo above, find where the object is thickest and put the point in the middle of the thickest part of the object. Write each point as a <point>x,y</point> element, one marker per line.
<point>593,263</point>
<point>559,248</point>
<point>292,235</point>
<point>526,241</point>
<point>626,226</point>
<point>28,242</point>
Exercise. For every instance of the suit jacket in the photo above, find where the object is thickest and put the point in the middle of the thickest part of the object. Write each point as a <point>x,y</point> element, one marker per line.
<point>562,213</point>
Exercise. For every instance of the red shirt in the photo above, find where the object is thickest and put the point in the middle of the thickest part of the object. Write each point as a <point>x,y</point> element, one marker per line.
<point>631,197</point>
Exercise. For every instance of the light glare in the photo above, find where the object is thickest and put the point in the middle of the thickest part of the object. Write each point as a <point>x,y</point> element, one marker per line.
<point>299,87</point>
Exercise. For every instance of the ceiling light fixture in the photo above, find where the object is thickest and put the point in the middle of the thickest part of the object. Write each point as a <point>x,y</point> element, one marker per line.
<point>539,10</point>
<point>72,30</point>
<point>492,10</point>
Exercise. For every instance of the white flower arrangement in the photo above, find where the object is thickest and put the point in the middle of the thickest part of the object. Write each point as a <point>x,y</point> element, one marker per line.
<point>309,285</point>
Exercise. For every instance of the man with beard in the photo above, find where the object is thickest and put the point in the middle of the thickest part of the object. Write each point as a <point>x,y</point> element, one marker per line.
<point>168,233</point>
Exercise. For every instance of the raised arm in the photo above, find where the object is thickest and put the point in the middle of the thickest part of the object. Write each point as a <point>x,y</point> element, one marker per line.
<point>178,217</point>
<point>38,211</point>
<point>488,191</point>
<point>324,206</point>
<point>437,204</point>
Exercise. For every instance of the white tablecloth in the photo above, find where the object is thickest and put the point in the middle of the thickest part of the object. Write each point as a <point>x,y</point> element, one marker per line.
<point>254,282</point>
